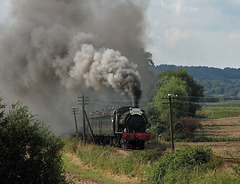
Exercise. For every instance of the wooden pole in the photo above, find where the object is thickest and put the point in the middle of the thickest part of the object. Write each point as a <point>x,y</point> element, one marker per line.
<point>83,114</point>
<point>74,113</point>
<point>90,128</point>
<point>171,123</point>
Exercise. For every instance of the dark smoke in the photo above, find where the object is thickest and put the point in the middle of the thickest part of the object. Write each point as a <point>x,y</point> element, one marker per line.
<point>52,50</point>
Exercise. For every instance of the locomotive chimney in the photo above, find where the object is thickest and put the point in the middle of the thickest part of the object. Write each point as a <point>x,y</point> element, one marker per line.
<point>135,105</point>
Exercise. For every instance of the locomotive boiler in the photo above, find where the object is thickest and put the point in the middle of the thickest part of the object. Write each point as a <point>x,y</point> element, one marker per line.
<point>124,127</point>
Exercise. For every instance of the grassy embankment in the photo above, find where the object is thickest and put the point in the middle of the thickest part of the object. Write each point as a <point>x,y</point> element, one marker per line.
<point>196,165</point>
<point>77,172</point>
<point>130,167</point>
<point>137,166</point>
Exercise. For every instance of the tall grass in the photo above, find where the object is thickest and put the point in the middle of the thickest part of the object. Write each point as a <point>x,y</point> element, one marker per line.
<point>189,165</point>
<point>77,173</point>
<point>109,159</point>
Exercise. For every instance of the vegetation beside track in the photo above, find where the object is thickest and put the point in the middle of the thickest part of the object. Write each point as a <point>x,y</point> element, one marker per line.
<point>188,165</point>
<point>146,166</point>
<point>76,172</point>
<point>110,160</point>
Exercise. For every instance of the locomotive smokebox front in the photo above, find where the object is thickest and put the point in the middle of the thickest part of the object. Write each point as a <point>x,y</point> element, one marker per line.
<point>135,121</point>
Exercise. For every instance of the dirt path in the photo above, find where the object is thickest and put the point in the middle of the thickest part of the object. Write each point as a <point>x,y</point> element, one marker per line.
<point>78,179</point>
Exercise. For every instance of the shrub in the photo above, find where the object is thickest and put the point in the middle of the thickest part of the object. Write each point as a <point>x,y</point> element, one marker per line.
<point>29,152</point>
<point>179,165</point>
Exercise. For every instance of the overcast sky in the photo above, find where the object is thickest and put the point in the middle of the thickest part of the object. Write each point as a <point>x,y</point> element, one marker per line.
<point>189,33</point>
<point>196,32</point>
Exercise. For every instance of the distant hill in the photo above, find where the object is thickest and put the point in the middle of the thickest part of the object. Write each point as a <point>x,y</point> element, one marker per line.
<point>216,81</point>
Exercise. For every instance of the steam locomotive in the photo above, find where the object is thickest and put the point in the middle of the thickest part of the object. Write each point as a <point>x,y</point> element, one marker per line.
<point>122,127</point>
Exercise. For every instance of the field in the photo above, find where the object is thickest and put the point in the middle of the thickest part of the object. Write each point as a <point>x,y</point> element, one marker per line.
<point>221,135</point>
<point>220,128</point>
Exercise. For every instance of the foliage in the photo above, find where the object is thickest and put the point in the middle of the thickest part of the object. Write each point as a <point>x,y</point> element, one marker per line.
<point>185,93</point>
<point>178,165</point>
<point>155,120</point>
<point>216,81</point>
<point>175,86</point>
<point>190,165</point>
<point>29,152</point>
<point>183,75</point>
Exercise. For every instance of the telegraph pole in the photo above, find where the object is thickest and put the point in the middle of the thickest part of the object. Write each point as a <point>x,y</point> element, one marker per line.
<point>83,101</point>
<point>75,111</point>
<point>90,128</point>
<point>171,123</point>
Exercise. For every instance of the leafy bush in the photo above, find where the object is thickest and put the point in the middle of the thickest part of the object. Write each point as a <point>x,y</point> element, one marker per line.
<point>29,152</point>
<point>179,165</point>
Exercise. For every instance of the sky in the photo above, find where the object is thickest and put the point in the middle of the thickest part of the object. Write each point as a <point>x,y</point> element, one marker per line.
<point>195,33</point>
<point>188,33</point>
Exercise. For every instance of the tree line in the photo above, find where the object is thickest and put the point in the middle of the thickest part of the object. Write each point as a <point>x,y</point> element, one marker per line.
<point>216,82</point>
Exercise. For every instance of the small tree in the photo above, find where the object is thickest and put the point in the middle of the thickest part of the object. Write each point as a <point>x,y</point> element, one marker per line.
<point>188,93</point>
<point>29,152</point>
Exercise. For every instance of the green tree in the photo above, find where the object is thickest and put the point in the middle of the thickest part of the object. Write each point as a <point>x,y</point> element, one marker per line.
<point>186,93</point>
<point>184,86</point>
<point>29,151</point>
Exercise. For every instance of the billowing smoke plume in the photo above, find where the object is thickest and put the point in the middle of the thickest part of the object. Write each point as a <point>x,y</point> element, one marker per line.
<point>106,67</point>
<point>98,68</point>
<point>52,50</point>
